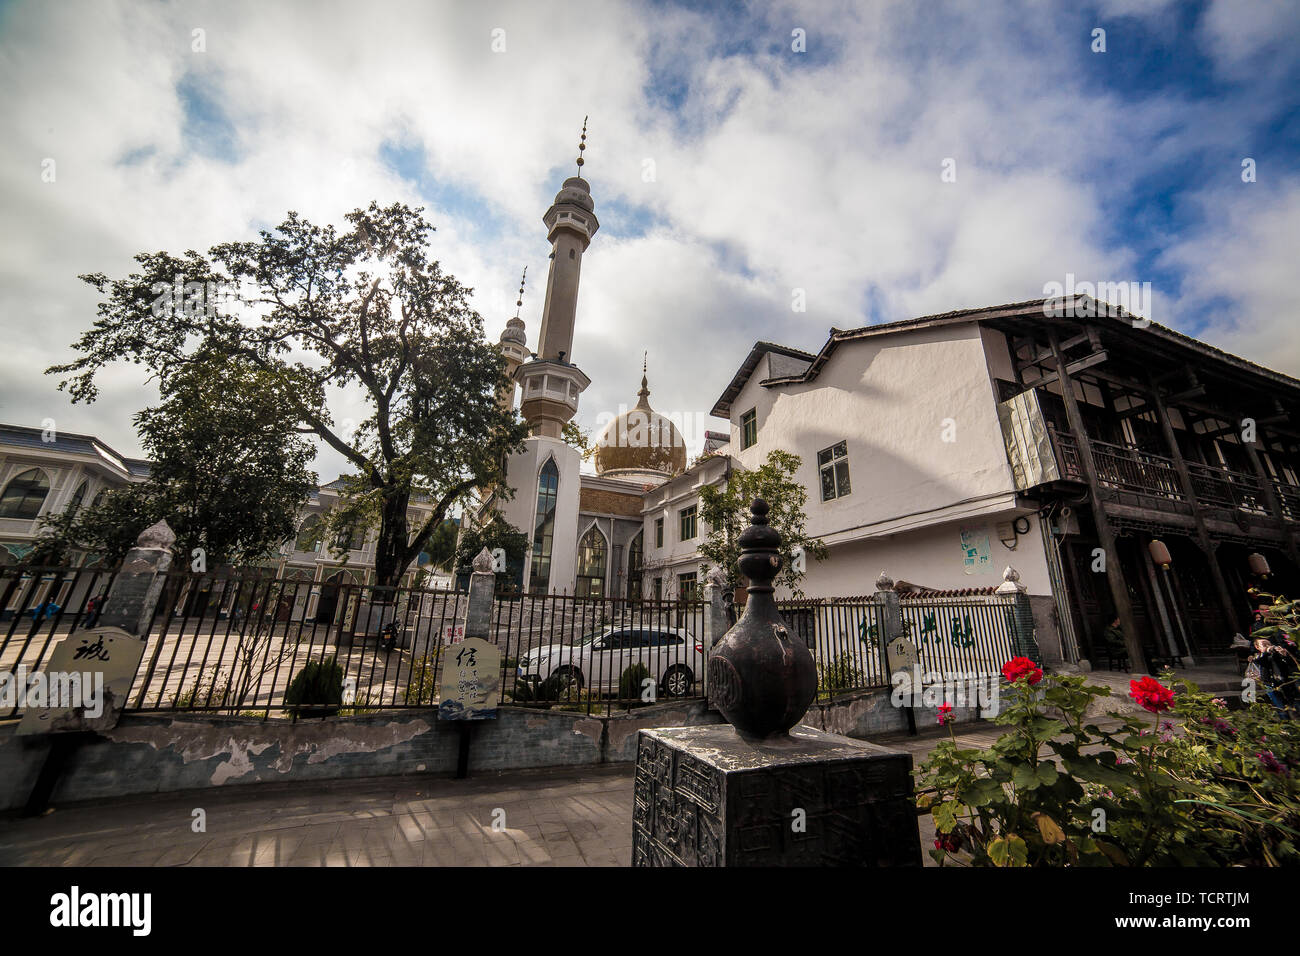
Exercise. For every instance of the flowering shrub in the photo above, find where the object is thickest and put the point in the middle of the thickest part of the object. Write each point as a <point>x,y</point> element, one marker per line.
<point>1202,786</point>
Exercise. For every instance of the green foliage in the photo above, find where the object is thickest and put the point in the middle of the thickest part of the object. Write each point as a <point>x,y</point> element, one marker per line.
<point>575,437</point>
<point>1206,787</point>
<point>317,689</point>
<point>422,684</point>
<point>209,690</point>
<point>725,511</point>
<point>840,674</point>
<point>494,533</point>
<point>317,312</point>
<point>228,472</point>
<point>631,684</point>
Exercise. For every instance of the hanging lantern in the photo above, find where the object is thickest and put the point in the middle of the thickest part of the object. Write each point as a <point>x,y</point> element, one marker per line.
<point>1159,553</point>
<point>1258,565</point>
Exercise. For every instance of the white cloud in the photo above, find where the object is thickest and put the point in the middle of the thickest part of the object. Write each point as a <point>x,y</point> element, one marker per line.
<point>774,170</point>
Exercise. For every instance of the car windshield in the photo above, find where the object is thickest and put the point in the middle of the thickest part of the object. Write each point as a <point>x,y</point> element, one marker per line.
<point>587,638</point>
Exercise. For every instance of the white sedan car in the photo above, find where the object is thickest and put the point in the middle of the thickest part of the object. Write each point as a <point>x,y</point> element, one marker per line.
<point>673,658</point>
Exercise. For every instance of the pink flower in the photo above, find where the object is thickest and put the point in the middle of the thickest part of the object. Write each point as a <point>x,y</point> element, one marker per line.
<point>945,713</point>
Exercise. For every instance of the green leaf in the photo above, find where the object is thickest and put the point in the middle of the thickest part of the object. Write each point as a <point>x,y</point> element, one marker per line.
<point>1047,774</point>
<point>1010,850</point>
<point>1024,777</point>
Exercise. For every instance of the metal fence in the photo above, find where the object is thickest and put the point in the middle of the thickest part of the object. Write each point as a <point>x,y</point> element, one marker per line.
<point>38,607</point>
<point>844,635</point>
<point>960,635</point>
<point>971,634</point>
<point>235,644</point>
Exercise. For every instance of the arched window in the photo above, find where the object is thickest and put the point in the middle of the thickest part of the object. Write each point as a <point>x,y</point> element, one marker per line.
<point>591,564</point>
<point>548,489</point>
<point>78,496</point>
<point>24,495</point>
<point>635,566</point>
<point>308,534</point>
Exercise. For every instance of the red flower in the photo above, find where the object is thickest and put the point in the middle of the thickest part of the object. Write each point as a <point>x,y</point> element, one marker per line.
<point>948,842</point>
<point>945,712</point>
<point>1019,667</point>
<point>1151,694</point>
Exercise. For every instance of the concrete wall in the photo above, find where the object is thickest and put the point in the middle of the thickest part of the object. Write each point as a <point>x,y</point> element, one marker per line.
<point>931,556</point>
<point>521,511</point>
<point>162,752</point>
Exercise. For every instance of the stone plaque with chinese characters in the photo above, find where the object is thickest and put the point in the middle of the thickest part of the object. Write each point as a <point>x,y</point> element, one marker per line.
<point>471,681</point>
<point>106,659</point>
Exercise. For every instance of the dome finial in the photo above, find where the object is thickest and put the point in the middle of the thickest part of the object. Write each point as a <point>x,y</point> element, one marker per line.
<point>644,394</point>
<point>519,303</point>
<point>582,145</point>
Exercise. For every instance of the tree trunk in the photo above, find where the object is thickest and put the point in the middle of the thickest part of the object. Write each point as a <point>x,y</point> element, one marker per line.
<point>390,552</point>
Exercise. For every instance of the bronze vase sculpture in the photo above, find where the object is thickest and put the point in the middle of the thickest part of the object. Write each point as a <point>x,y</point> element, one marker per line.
<point>760,677</point>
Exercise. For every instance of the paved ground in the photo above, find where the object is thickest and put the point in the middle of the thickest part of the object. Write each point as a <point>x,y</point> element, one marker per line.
<point>566,818</point>
<point>553,818</point>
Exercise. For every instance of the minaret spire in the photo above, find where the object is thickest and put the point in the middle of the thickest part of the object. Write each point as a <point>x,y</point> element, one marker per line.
<point>644,394</point>
<point>582,146</point>
<point>552,382</point>
<point>514,346</point>
<point>519,303</point>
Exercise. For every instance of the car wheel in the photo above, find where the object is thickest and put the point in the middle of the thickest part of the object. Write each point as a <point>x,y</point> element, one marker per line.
<point>677,682</point>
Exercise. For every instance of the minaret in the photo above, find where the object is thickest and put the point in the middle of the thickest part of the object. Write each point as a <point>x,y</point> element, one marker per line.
<point>551,383</point>
<point>514,346</point>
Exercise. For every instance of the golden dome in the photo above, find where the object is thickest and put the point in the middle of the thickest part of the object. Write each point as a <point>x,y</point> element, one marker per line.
<point>640,443</point>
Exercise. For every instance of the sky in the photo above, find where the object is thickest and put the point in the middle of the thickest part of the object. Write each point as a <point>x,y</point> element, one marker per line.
<point>870,161</point>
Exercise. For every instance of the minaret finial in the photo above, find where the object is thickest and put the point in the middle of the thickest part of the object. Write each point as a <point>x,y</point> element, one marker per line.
<point>644,394</point>
<point>582,145</point>
<point>519,303</point>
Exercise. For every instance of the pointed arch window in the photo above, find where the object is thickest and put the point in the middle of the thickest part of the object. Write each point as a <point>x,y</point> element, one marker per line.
<point>24,495</point>
<point>635,565</point>
<point>548,489</point>
<point>78,496</point>
<point>591,564</point>
<point>308,534</point>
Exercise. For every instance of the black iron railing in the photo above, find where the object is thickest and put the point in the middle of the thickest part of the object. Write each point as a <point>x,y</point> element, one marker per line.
<point>39,606</point>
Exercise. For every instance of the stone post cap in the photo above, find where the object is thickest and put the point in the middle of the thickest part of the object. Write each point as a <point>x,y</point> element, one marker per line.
<point>1011,582</point>
<point>716,577</point>
<point>884,582</point>
<point>483,562</point>
<point>158,536</point>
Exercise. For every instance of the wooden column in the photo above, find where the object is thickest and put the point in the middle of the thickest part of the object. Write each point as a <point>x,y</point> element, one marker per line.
<point>1270,497</point>
<point>1105,534</point>
<point>1231,613</point>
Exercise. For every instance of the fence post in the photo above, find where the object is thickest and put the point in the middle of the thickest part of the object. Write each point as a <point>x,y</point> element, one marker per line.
<point>891,620</point>
<point>482,590</point>
<point>137,587</point>
<point>715,617</point>
<point>1022,616</point>
<point>891,628</point>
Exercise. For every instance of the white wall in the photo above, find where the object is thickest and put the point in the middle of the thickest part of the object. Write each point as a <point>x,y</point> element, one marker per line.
<point>521,510</point>
<point>890,398</point>
<point>931,557</point>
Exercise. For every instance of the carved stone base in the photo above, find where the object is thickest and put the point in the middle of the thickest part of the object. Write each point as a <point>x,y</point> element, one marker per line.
<point>706,797</point>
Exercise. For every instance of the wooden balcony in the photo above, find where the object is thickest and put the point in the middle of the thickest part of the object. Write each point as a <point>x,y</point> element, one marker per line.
<point>1135,479</point>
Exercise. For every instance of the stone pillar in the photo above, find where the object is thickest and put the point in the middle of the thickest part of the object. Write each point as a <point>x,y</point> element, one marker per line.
<point>478,607</point>
<point>891,620</point>
<point>137,587</point>
<point>716,622</point>
<point>1022,619</point>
